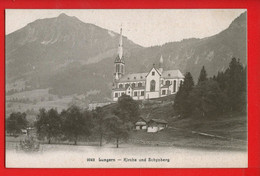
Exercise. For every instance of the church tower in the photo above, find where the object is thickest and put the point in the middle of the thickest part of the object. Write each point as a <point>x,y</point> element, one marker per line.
<point>119,63</point>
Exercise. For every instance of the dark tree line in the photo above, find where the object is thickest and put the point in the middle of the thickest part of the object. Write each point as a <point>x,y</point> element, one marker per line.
<point>71,124</point>
<point>217,95</point>
<point>16,122</point>
<point>74,123</point>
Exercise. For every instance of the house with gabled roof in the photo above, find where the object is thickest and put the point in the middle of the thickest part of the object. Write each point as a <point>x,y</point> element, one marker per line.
<point>155,125</point>
<point>141,124</point>
<point>147,85</point>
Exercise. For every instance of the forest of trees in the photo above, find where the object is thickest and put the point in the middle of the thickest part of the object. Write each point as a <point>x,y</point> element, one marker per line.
<point>213,96</point>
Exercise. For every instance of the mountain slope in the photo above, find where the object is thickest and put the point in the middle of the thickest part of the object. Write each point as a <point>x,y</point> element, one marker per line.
<point>213,52</point>
<point>69,56</point>
<point>55,42</point>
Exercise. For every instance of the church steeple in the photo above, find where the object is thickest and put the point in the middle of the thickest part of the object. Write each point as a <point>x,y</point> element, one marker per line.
<point>161,64</point>
<point>120,47</point>
<point>119,61</point>
<point>120,56</point>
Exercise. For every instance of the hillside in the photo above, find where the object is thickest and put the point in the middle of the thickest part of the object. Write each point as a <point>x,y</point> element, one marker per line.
<point>56,47</point>
<point>227,132</point>
<point>213,52</point>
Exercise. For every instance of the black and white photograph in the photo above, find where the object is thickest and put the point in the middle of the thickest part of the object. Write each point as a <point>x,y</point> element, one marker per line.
<point>126,88</point>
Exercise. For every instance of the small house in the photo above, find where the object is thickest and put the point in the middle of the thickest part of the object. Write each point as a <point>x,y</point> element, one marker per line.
<point>155,125</point>
<point>141,124</point>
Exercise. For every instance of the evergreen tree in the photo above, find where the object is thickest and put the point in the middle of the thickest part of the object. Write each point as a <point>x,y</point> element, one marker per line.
<point>221,78</point>
<point>202,76</point>
<point>214,96</point>
<point>182,104</point>
<point>208,99</point>
<point>236,85</point>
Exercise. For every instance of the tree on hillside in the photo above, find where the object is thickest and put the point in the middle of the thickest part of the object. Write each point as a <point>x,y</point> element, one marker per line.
<point>116,129</point>
<point>98,117</point>
<point>48,124</point>
<point>226,92</point>
<point>16,122</point>
<point>75,123</point>
<point>202,76</point>
<point>128,109</point>
<point>221,78</point>
<point>182,103</point>
<point>236,85</point>
<point>208,99</point>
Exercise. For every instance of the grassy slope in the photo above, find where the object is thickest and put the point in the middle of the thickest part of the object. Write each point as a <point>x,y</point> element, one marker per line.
<point>181,133</point>
<point>184,132</point>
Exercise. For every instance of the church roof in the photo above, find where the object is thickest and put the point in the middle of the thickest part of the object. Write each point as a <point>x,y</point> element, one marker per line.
<point>166,86</point>
<point>133,77</point>
<point>119,89</point>
<point>172,74</point>
<point>158,121</point>
<point>155,70</point>
<point>127,86</point>
<point>139,88</point>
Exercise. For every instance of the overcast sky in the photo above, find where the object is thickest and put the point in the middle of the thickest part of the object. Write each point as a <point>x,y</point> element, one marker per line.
<point>144,27</point>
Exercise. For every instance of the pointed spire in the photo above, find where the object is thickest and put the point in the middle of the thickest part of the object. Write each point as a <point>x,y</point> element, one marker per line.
<point>120,47</point>
<point>161,64</point>
<point>161,60</point>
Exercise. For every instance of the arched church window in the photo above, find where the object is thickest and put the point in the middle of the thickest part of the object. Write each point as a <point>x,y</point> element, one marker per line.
<point>133,84</point>
<point>167,82</point>
<point>152,86</point>
<point>120,85</point>
<point>127,85</point>
<point>139,84</point>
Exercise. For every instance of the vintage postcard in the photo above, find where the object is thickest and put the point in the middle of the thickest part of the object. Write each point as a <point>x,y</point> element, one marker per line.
<point>126,88</point>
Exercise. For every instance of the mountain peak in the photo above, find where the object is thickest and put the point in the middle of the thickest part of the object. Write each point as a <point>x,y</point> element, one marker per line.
<point>240,21</point>
<point>63,15</point>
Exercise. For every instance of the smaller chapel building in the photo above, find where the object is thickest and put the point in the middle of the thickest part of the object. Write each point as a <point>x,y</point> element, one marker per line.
<point>140,86</point>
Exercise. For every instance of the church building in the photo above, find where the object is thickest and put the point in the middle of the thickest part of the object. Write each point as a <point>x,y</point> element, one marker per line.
<point>140,86</point>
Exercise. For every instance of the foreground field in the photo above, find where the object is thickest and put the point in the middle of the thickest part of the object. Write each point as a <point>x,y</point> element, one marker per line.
<point>131,156</point>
